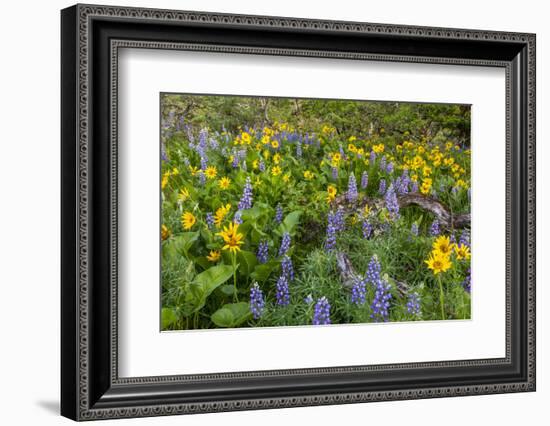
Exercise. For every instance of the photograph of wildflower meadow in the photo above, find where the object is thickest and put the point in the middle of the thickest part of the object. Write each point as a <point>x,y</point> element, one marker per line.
<point>282,212</point>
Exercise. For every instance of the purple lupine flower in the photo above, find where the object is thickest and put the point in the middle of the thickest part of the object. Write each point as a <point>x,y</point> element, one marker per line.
<point>202,178</point>
<point>339,219</point>
<point>282,293</point>
<point>366,227</point>
<point>321,312</point>
<point>414,229</point>
<point>263,252</point>
<point>285,244</point>
<point>381,302</point>
<point>257,301</point>
<point>364,180</point>
<point>452,238</point>
<point>235,162</point>
<point>374,270</point>
<point>334,172</point>
<point>210,220</point>
<point>237,218</point>
<point>287,268</point>
<point>464,238</point>
<point>330,241</point>
<point>359,292</point>
<point>413,304</point>
<point>299,149</point>
<point>391,202</point>
<point>372,157</point>
<point>434,228</point>
<point>351,195</point>
<point>246,199</point>
<point>383,163</point>
<point>261,166</point>
<point>467,283</point>
<point>214,143</point>
<point>414,187</point>
<point>389,168</point>
<point>278,214</point>
<point>382,187</point>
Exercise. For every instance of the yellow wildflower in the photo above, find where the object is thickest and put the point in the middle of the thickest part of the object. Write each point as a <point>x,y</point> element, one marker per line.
<point>224,182</point>
<point>231,237</point>
<point>275,144</point>
<point>221,213</point>
<point>188,220</point>
<point>443,245</point>
<point>438,262</point>
<point>164,232</point>
<point>308,175</point>
<point>462,251</point>
<point>276,171</point>
<point>184,194</point>
<point>214,256</point>
<point>211,172</point>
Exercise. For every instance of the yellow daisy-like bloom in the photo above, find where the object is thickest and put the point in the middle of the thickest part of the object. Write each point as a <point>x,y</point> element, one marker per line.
<point>327,129</point>
<point>308,175</point>
<point>443,244</point>
<point>266,139</point>
<point>352,148</point>
<point>184,194</point>
<point>425,188</point>
<point>378,148</point>
<point>276,171</point>
<point>211,172</point>
<point>224,182</point>
<point>352,139</point>
<point>245,137</point>
<point>427,171</point>
<point>213,256</point>
<point>175,171</point>
<point>188,220</point>
<point>276,158</point>
<point>286,177</point>
<point>449,161</point>
<point>193,169</point>
<point>438,262</point>
<point>266,154</point>
<point>331,193</point>
<point>336,157</point>
<point>462,251</point>
<point>255,164</point>
<point>164,181</point>
<point>164,232</point>
<point>231,237</point>
<point>274,144</point>
<point>366,210</point>
<point>221,213</point>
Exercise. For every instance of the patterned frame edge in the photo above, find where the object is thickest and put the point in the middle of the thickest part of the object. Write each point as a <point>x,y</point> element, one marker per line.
<point>84,13</point>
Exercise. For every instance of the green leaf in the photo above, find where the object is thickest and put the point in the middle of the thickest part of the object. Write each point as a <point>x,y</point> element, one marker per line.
<point>206,282</point>
<point>227,289</point>
<point>290,222</point>
<point>247,261</point>
<point>168,317</point>
<point>263,271</point>
<point>231,315</point>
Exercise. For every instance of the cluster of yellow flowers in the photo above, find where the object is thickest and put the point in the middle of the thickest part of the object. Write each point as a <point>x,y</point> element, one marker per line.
<point>440,260</point>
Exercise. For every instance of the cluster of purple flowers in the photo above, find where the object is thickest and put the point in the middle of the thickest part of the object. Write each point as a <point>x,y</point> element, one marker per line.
<point>257,301</point>
<point>335,224</point>
<point>381,302</point>
<point>285,244</point>
<point>201,148</point>
<point>287,268</point>
<point>366,227</point>
<point>261,166</point>
<point>321,312</point>
<point>382,187</point>
<point>434,228</point>
<point>263,252</point>
<point>202,178</point>
<point>352,195</point>
<point>401,183</point>
<point>413,304</point>
<point>414,187</point>
<point>282,293</point>
<point>467,283</point>
<point>237,218</point>
<point>334,172</point>
<point>382,163</point>
<point>391,202</point>
<point>372,157</point>
<point>210,220</point>
<point>389,168</point>
<point>464,238</point>
<point>246,199</point>
<point>364,180</point>
<point>299,149</point>
<point>359,292</point>
<point>278,214</point>
<point>373,270</point>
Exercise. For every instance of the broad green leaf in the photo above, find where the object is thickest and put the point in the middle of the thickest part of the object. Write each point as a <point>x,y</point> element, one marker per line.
<point>247,261</point>
<point>168,317</point>
<point>232,315</point>
<point>263,271</point>
<point>206,282</point>
<point>228,289</point>
<point>290,222</point>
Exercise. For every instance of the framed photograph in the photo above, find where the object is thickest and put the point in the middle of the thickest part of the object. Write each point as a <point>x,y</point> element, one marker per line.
<point>263,212</point>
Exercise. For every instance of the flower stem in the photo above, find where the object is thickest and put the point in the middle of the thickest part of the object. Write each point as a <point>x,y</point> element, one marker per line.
<point>441,297</point>
<point>234,260</point>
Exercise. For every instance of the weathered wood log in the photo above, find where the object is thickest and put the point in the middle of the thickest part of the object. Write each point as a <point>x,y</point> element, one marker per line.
<point>436,207</point>
<point>444,216</point>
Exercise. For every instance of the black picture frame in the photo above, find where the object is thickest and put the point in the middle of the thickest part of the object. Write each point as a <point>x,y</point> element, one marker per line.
<point>90,386</point>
